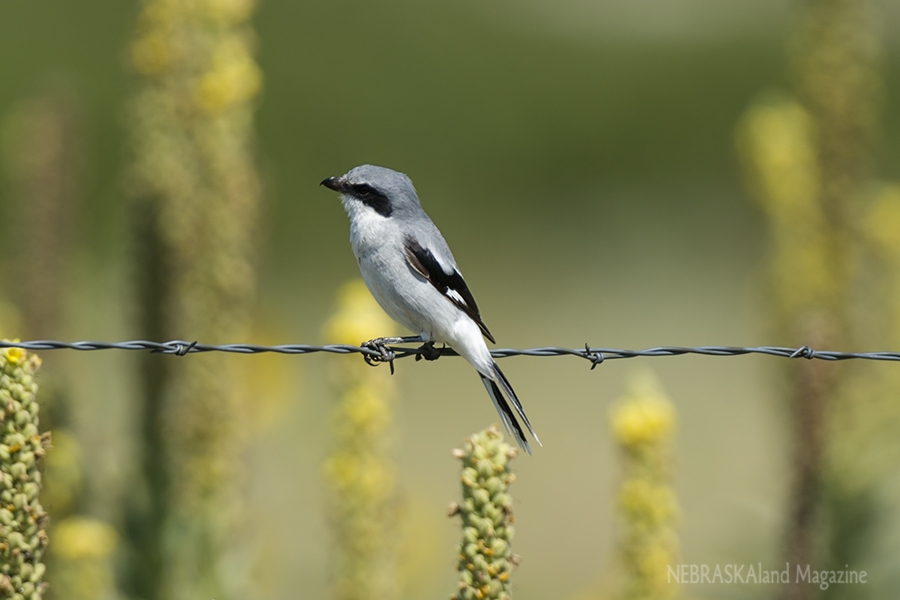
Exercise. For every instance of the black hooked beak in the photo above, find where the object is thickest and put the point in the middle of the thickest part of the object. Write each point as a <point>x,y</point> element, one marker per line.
<point>335,183</point>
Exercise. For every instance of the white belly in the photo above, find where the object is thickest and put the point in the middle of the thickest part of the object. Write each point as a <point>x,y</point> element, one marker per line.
<point>407,297</point>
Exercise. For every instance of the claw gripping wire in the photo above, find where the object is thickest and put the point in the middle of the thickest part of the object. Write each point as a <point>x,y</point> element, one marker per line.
<point>380,353</point>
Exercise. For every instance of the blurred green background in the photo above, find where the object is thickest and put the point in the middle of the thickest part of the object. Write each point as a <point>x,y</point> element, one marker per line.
<point>578,157</point>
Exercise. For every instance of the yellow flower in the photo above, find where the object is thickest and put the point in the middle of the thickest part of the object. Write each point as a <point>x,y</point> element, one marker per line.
<point>777,141</point>
<point>645,415</point>
<point>15,355</point>
<point>80,537</point>
<point>232,79</point>
<point>229,85</point>
<point>650,503</point>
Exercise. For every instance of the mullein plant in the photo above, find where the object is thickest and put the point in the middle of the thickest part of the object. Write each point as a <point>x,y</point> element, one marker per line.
<point>23,522</point>
<point>486,560</point>
<point>861,485</point>
<point>808,276</point>
<point>643,422</point>
<point>197,198</point>
<point>359,471</point>
<point>41,150</point>
<point>808,160</point>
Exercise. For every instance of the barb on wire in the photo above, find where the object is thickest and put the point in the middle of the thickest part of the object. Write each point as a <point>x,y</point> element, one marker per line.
<point>595,355</point>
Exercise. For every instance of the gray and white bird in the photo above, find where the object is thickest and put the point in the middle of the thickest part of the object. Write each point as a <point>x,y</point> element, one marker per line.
<point>410,271</point>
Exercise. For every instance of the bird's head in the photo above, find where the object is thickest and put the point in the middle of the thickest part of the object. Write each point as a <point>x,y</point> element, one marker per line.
<point>382,190</point>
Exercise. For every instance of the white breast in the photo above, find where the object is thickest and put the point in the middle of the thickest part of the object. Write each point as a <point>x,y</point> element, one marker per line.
<point>404,294</point>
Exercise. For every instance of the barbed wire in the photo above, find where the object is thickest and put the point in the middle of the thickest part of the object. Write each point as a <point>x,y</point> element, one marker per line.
<point>373,355</point>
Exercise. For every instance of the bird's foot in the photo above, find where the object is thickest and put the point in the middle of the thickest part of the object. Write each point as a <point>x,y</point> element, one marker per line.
<point>428,352</point>
<point>385,354</point>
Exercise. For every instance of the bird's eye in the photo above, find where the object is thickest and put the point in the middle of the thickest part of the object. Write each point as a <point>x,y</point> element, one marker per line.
<point>364,189</point>
<point>371,197</point>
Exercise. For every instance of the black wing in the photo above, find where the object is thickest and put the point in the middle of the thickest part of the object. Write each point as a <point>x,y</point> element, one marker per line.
<point>452,286</point>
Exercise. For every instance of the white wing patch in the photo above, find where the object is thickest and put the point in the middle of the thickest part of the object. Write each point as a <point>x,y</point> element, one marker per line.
<point>455,297</point>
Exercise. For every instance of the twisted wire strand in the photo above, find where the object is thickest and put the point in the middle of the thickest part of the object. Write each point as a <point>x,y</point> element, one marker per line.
<point>595,355</point>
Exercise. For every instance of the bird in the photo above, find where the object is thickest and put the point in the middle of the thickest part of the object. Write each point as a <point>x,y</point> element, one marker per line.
<point>410,271</point>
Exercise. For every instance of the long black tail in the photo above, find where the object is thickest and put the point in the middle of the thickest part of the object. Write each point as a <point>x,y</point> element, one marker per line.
<point>503,409</point>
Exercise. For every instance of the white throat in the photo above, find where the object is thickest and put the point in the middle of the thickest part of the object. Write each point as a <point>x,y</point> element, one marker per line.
<point>368,229</point>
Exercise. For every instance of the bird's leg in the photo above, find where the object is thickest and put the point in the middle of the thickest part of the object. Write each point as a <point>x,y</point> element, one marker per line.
<point>428,352</point>
<point>386,354</point>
